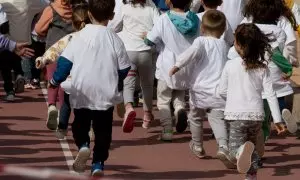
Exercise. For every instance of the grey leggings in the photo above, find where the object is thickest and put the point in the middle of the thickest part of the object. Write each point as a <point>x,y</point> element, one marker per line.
<point>142,67</point>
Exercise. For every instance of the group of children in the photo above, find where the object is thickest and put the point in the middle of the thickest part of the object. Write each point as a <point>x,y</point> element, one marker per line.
<point>234,60</point>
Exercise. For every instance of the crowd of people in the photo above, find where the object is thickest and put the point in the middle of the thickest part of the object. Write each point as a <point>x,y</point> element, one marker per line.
<point>233,59</point>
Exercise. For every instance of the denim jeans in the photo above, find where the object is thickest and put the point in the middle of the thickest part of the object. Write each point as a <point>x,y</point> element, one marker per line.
<point>65,112</point>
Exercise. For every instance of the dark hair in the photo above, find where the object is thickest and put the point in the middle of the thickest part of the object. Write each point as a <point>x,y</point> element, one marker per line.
<point>212,3</point>
<point>102,10</point>
<point>181,4</point>
<point>214,21</point>
<point>268,11</point>
<point>135,2</point>
<point>254,45</point>
<point>80,16</point>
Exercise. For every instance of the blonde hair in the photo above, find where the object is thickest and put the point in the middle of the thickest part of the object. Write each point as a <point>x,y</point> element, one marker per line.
<point>80,16</point>
<point>214,22</point>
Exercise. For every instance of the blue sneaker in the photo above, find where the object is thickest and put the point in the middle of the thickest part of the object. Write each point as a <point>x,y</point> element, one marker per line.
<point>97,169</point>
<point>82,157</point>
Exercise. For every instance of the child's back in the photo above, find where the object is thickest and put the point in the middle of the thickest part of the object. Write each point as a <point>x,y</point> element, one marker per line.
<point>95,52</point>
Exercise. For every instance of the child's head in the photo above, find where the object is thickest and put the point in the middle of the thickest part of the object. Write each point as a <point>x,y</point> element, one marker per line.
<point>80,16</point>
<point>213,23</point>
<point>211,4</point>
<point>134,2</point>
<point>252,44</point>
<point>101,11</point>
<point>266,11</point>
<point>178,4</point>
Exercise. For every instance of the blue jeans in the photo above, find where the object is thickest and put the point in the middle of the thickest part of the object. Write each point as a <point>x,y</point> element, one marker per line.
<point>65,112</point>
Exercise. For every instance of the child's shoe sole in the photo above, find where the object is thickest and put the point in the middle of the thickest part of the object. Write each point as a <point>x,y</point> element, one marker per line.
<point>19,85</point>
<point>244,160</point>
<point>289,120</point>
<point>128,123</point>
<point>181,121</point>
<point>52,121</point>
<point>82,157</point>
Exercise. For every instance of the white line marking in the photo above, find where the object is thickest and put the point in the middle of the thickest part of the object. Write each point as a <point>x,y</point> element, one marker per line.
<point>63,143</point>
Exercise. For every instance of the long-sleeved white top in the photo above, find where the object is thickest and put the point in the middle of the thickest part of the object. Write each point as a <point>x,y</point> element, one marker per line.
<point>207,57</point>
<point>243,92</point>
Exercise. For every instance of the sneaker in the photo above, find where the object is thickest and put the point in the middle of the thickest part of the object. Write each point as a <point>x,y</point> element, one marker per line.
<point>260,143</point>
<point>128,123</point>
<point>148,117</point>
<point>52,121</point>
<point>223,155</point>
<point>181,119</point>
<point>289,120</point>
<point>197,150</point>
<point>97,169</point>
<point>251,177</point>
<point>10,97</point>
<point>166,135</point>
<point>121,110</point>
<point>19,84</point>
<point>244,157</point>
<point>82,157</point>
<point>61,134</point>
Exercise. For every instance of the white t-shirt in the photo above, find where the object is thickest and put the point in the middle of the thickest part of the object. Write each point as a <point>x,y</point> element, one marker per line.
<point>207,56</point>
<point>233,10</point>
<point>227,35</point>
<point>174,43</point>
<point>97,53</point>
<point>20,14</point>
<point>136,21</point>
<point>243,92</point>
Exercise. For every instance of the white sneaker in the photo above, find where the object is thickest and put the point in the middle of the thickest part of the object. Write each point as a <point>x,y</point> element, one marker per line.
<point>197,150</point>
<point>52,120</point>
<point>10,97</point>
<point>166,135</point>
<point>61,134</point>
<point>289,120</point>
<point>82,157</point>
<point>244,157</point>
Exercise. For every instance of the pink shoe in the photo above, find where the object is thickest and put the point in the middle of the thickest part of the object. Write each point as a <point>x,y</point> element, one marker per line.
<point>128,122</point>
<point>148,117</point>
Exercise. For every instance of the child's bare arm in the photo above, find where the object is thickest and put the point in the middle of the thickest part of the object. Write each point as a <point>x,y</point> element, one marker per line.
<point>41,27</point>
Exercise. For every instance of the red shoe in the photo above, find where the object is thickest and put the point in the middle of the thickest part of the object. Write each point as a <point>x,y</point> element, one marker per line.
<point>129,118</point>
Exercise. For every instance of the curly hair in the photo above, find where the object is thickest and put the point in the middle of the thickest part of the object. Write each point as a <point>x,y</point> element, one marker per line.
<point>268,11</point>
<point>254,45</point>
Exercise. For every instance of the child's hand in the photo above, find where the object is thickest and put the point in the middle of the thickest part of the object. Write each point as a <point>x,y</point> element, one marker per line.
<point>22,50</point>
<point>280,128</point>
<point>173,71</point>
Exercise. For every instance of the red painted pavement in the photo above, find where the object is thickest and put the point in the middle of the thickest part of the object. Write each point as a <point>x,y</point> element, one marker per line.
<point>25,142</point>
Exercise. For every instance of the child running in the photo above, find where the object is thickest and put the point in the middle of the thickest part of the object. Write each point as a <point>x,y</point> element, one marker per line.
<point>54,23</point>
<point>208,55</point>
<point>79,20</point>
<point>98,63</point>
<point>214,4</point>
<point>244,80</point>
<point>175,31</point>
<point>138,17</point>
